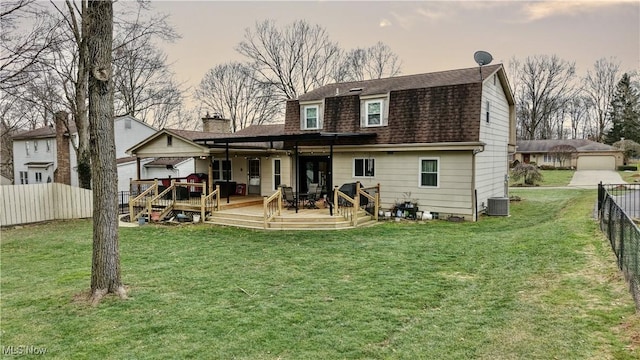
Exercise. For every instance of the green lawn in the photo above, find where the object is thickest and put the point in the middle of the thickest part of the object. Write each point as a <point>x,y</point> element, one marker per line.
<point>550,178</point>
<point>540,284</point>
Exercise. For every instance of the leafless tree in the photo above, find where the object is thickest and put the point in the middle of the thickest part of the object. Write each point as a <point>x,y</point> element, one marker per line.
<point>577,109</point>
<point>21,48</point>
<point>545,82</point>
<point>232,91</point>
<point>105,264</point>
<point>562,153</point>
<point>599,86</point>
<point>375,62</point>
<point>294,59</point>
<point>145,87</point>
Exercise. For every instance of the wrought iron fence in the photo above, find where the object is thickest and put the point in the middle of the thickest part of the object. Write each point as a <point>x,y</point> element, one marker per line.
<point>123,202</point>
<point>618,212</point>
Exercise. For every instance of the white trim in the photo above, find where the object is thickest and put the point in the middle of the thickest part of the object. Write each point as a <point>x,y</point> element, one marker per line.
<point>420,160</point>
<point>273,172</point>
<point>365,160</point>
<point>303,117</point>
<point>380,112</point>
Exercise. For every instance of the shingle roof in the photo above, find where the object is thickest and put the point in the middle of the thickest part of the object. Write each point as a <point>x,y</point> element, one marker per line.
<point>418,81</point>
<point>43,132</point>
<point>542,146</point>
<point>164,161</point>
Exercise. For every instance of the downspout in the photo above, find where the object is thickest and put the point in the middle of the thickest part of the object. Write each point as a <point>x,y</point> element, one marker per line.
<point>474,191</point>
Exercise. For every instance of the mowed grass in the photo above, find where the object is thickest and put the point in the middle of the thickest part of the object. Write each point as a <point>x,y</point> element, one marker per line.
<point>550,178</point>
<point>540,284</point>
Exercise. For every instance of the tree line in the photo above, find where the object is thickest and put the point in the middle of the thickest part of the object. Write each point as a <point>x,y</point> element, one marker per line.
<point>43,70</point>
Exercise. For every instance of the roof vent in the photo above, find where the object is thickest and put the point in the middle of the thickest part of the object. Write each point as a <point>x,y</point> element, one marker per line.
<point>355,89</point>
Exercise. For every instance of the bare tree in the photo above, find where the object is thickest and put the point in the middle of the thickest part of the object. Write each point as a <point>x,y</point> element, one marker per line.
<point>562,153</point>
<point>294,59</point>
<point>375,62</point>
<point>544,84</point>
<point>599,87</point>
<point>21,49</point>
<point>232,91</point>
<point>577,109</point>
<point>144,84</point>
<point>105,264</point>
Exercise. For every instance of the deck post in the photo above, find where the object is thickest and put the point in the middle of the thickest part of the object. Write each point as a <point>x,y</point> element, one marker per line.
<point>264,211</point>
<point>217,197</point>
<point>202,207</point>
<point>356,204</point>
<point>377,205</point>
<point>335,199</point>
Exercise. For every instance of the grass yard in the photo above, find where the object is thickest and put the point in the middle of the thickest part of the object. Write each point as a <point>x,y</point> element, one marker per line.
<point>550,178</point>
<point>540,284</point>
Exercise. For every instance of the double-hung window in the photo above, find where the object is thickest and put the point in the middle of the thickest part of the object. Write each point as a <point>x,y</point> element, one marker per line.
<point>38,177</point>
<point>364,167</point>
<point>429,172</point>
<point>221,170</point>
<point>24,177</point>
<point>373,116</point>
<point>311,117</point>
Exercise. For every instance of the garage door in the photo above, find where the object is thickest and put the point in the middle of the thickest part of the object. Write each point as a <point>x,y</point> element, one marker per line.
<point>599,162</point>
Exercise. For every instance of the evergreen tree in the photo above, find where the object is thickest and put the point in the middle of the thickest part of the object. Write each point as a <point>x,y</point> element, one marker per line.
<point>625,112</point>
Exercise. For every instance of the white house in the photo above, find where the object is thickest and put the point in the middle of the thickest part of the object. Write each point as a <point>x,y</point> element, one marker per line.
<point>37,153</point>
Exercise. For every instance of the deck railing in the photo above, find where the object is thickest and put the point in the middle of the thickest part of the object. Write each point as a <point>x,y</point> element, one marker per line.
<point>161,200</point>
<point>145,189</point>
<point>272,206</point>
<point>210,203</point>
<point>348,207</point>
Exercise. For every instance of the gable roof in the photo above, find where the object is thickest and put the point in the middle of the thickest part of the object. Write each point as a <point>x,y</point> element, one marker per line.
<point>40,133</point>
<point>406,82</point>
<point>542,146</point>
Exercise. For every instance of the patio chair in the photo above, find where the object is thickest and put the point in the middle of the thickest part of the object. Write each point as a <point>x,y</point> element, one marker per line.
<point>315,192</point>
<point>288,197</point>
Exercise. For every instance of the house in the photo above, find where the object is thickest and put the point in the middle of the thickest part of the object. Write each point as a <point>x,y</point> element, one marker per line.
<point>47,154</point>
<point>441,140</point>
<point>579,154</point>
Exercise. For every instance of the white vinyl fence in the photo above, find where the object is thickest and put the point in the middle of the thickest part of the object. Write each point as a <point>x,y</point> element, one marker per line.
<point>23,204</point>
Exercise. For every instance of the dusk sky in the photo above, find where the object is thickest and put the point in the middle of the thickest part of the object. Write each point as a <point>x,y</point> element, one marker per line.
<point>426,35</point>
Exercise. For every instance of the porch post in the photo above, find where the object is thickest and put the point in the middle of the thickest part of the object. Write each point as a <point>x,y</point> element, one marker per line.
<point>230,170</point>
<point>297,176</point>
<point>210,174</point>
<point>330,169</point>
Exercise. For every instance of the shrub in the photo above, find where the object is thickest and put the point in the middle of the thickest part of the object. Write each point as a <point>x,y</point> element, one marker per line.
<point>528,172</point>
<point>547,167</point>
<point>628,167</point>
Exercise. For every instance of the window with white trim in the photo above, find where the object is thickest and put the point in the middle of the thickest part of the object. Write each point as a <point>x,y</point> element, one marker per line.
<point>48,145</point>
<point>277,174</point>
<point>221,170</point>
<point>24,177</point>
<point>364,167</point>
<point>373,112</point>
<point>311,117</point>
<point>26,148</point>
<point>429,172</point>
<point>38,177</point>
<point>35,146</point>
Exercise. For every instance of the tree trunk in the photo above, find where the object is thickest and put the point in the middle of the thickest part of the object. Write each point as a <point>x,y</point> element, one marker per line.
<point>105,269</point>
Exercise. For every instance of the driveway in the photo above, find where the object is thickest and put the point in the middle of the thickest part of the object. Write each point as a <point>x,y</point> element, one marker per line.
<point>589,179</point>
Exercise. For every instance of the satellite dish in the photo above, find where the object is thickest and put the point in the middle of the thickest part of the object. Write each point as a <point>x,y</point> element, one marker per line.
<point>482,57</point>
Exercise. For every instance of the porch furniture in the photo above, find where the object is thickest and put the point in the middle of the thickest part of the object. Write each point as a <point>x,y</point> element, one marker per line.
<point>315,192</point>
<point>288,197</point>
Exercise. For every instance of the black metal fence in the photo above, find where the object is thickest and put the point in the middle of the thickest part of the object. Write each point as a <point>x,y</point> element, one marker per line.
<point>123,202</point>
<point>617,213</point>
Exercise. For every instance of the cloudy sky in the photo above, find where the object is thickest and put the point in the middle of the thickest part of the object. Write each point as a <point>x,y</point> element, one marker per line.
<point>427,35</point>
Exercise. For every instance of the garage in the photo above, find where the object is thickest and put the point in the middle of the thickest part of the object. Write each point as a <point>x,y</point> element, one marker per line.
<point>596,162</point>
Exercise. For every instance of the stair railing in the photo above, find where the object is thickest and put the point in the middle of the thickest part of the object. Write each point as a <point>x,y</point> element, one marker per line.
<point>210,203</point>
<point>139,201</point>
<point>272,206</point>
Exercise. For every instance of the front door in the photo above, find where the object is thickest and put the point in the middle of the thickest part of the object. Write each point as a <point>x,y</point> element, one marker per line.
<point>254,177</point>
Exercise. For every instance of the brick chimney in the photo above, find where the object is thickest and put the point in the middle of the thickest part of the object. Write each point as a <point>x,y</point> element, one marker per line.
<point>216,124</point>
<point>62,174</point>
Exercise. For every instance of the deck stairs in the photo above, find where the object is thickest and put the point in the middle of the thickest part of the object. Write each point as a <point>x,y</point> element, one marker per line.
<point>286,221</point>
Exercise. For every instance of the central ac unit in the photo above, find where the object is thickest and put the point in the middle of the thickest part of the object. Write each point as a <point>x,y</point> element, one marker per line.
<point>498,206</point>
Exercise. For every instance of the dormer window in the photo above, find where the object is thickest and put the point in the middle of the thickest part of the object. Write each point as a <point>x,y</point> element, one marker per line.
<point>311,118</point>
<point>374,111</point>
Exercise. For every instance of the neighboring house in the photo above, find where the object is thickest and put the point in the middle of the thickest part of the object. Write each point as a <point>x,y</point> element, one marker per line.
<point>580,154</point>
<point>440,139</point>
<point>42,154</point>
<point>152,168</point>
